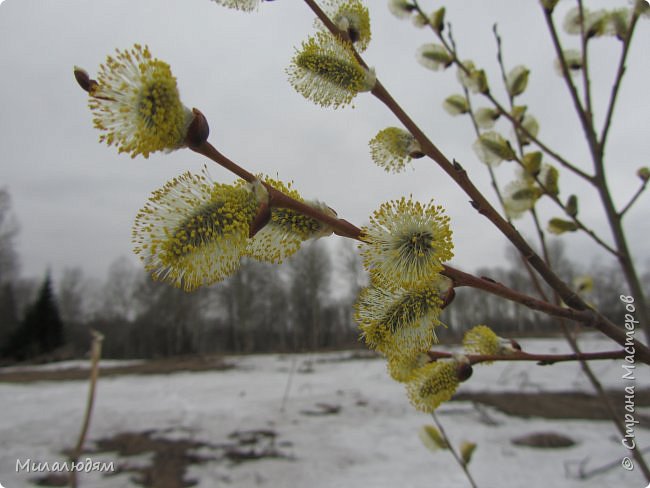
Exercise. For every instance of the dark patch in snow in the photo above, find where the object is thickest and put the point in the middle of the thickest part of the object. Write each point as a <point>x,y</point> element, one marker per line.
<point>545,440</point>
<point>171,457</point>
<point>323,409</point>
<point>555,405</point>
<point>52,479</point>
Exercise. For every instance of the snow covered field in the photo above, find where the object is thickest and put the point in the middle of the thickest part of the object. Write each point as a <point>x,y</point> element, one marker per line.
<point>345,423</point>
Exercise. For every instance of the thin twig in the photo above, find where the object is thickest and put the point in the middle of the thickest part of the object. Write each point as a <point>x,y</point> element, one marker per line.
<point>451,48</point>
<point>519,160</point>
<point>534,139</point>
<point>596,149</point>
<point>620,71</point>
<point>633,199</point>
<point>292,372</point>
<point>584,40</point>
<point>574,218</point>
<point>95,355</point>
<point>584,364</point>
<point>566,75</point>
<point>451,448</point>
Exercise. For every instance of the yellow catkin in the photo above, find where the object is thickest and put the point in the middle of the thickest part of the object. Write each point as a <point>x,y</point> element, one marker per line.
<point>433,384</point>
<point>287,229</point>
<point>136,104</point>
<point>398,321</point>
<point>243,5</point>
<point>192,232</point>
<point>325,71</point>
<point>402,366</point>
<point>392,149</point>
<point>482,340</point>
<point>406,243</point>
<point>350,16</point>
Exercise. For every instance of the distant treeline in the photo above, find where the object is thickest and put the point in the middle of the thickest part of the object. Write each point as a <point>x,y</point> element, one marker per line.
<point>303,305</point>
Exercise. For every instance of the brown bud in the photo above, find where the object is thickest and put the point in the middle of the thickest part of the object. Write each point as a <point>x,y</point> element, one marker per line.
<point>81,75</point>
<point>417,154</point>
<point>353,34</point>
<point>261,219</point>
<point>198,131</point>
<point>464,371</point>
<point>448,297</point>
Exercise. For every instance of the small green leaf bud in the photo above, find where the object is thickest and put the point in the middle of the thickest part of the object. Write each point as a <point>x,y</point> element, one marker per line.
<point>619,23</point>
<point>583,284</point>
<point>549,5</point>
<point>518,112</point>
<point>532,163</point>
<point>456,105</point>
<point>549,177</point>
<point>530,124</point>
<point>466,450</point>
<point>471,78</point>
<point>434,56</point>
<point>517,80</point>
<point>559,226</point>
<point>486,117</point>
<point>572,206</point>
<point>432,438</point>
<point>492,148</point>
<point>573,60</point>
<point>401,8</point>
<point>438,20</point>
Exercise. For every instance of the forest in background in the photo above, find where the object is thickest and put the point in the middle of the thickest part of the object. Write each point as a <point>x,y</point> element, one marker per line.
<point>303,305</point>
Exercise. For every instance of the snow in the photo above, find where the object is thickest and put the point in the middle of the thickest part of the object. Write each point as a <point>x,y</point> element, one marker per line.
<point>372,442</point>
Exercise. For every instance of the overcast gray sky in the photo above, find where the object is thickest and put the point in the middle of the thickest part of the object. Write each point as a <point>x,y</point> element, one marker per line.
<point>75,199</point>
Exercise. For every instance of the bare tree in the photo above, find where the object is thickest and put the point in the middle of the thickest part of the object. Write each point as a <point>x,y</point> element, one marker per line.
<point>310,271</point>
<point>9,264</point>
<point>9,268</point>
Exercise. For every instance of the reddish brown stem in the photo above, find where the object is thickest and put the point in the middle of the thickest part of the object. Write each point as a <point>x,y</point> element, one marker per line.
<point>542,359</point>
<point>483,206</point>
<point>277,198</point>
<point>346,229</point>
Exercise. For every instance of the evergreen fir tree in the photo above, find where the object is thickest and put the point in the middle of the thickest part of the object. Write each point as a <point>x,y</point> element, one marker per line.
<point>8,315</point>
<point>41,330</point>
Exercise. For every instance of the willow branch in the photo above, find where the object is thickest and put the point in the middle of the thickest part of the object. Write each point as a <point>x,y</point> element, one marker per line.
<point>566,75</point>
<point>478,200</point>
<point>584,40</point>
<point>541,359</point>
<point>502,111</point>
<point>277,198</point>
<point>586,368</point>
<point>483,206</point>
<point>535,140</point>
<point>574,218</point>
<point>617,81</point>
<point>346,229</point>
<point>452,449</point>
<point>633,199</point>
